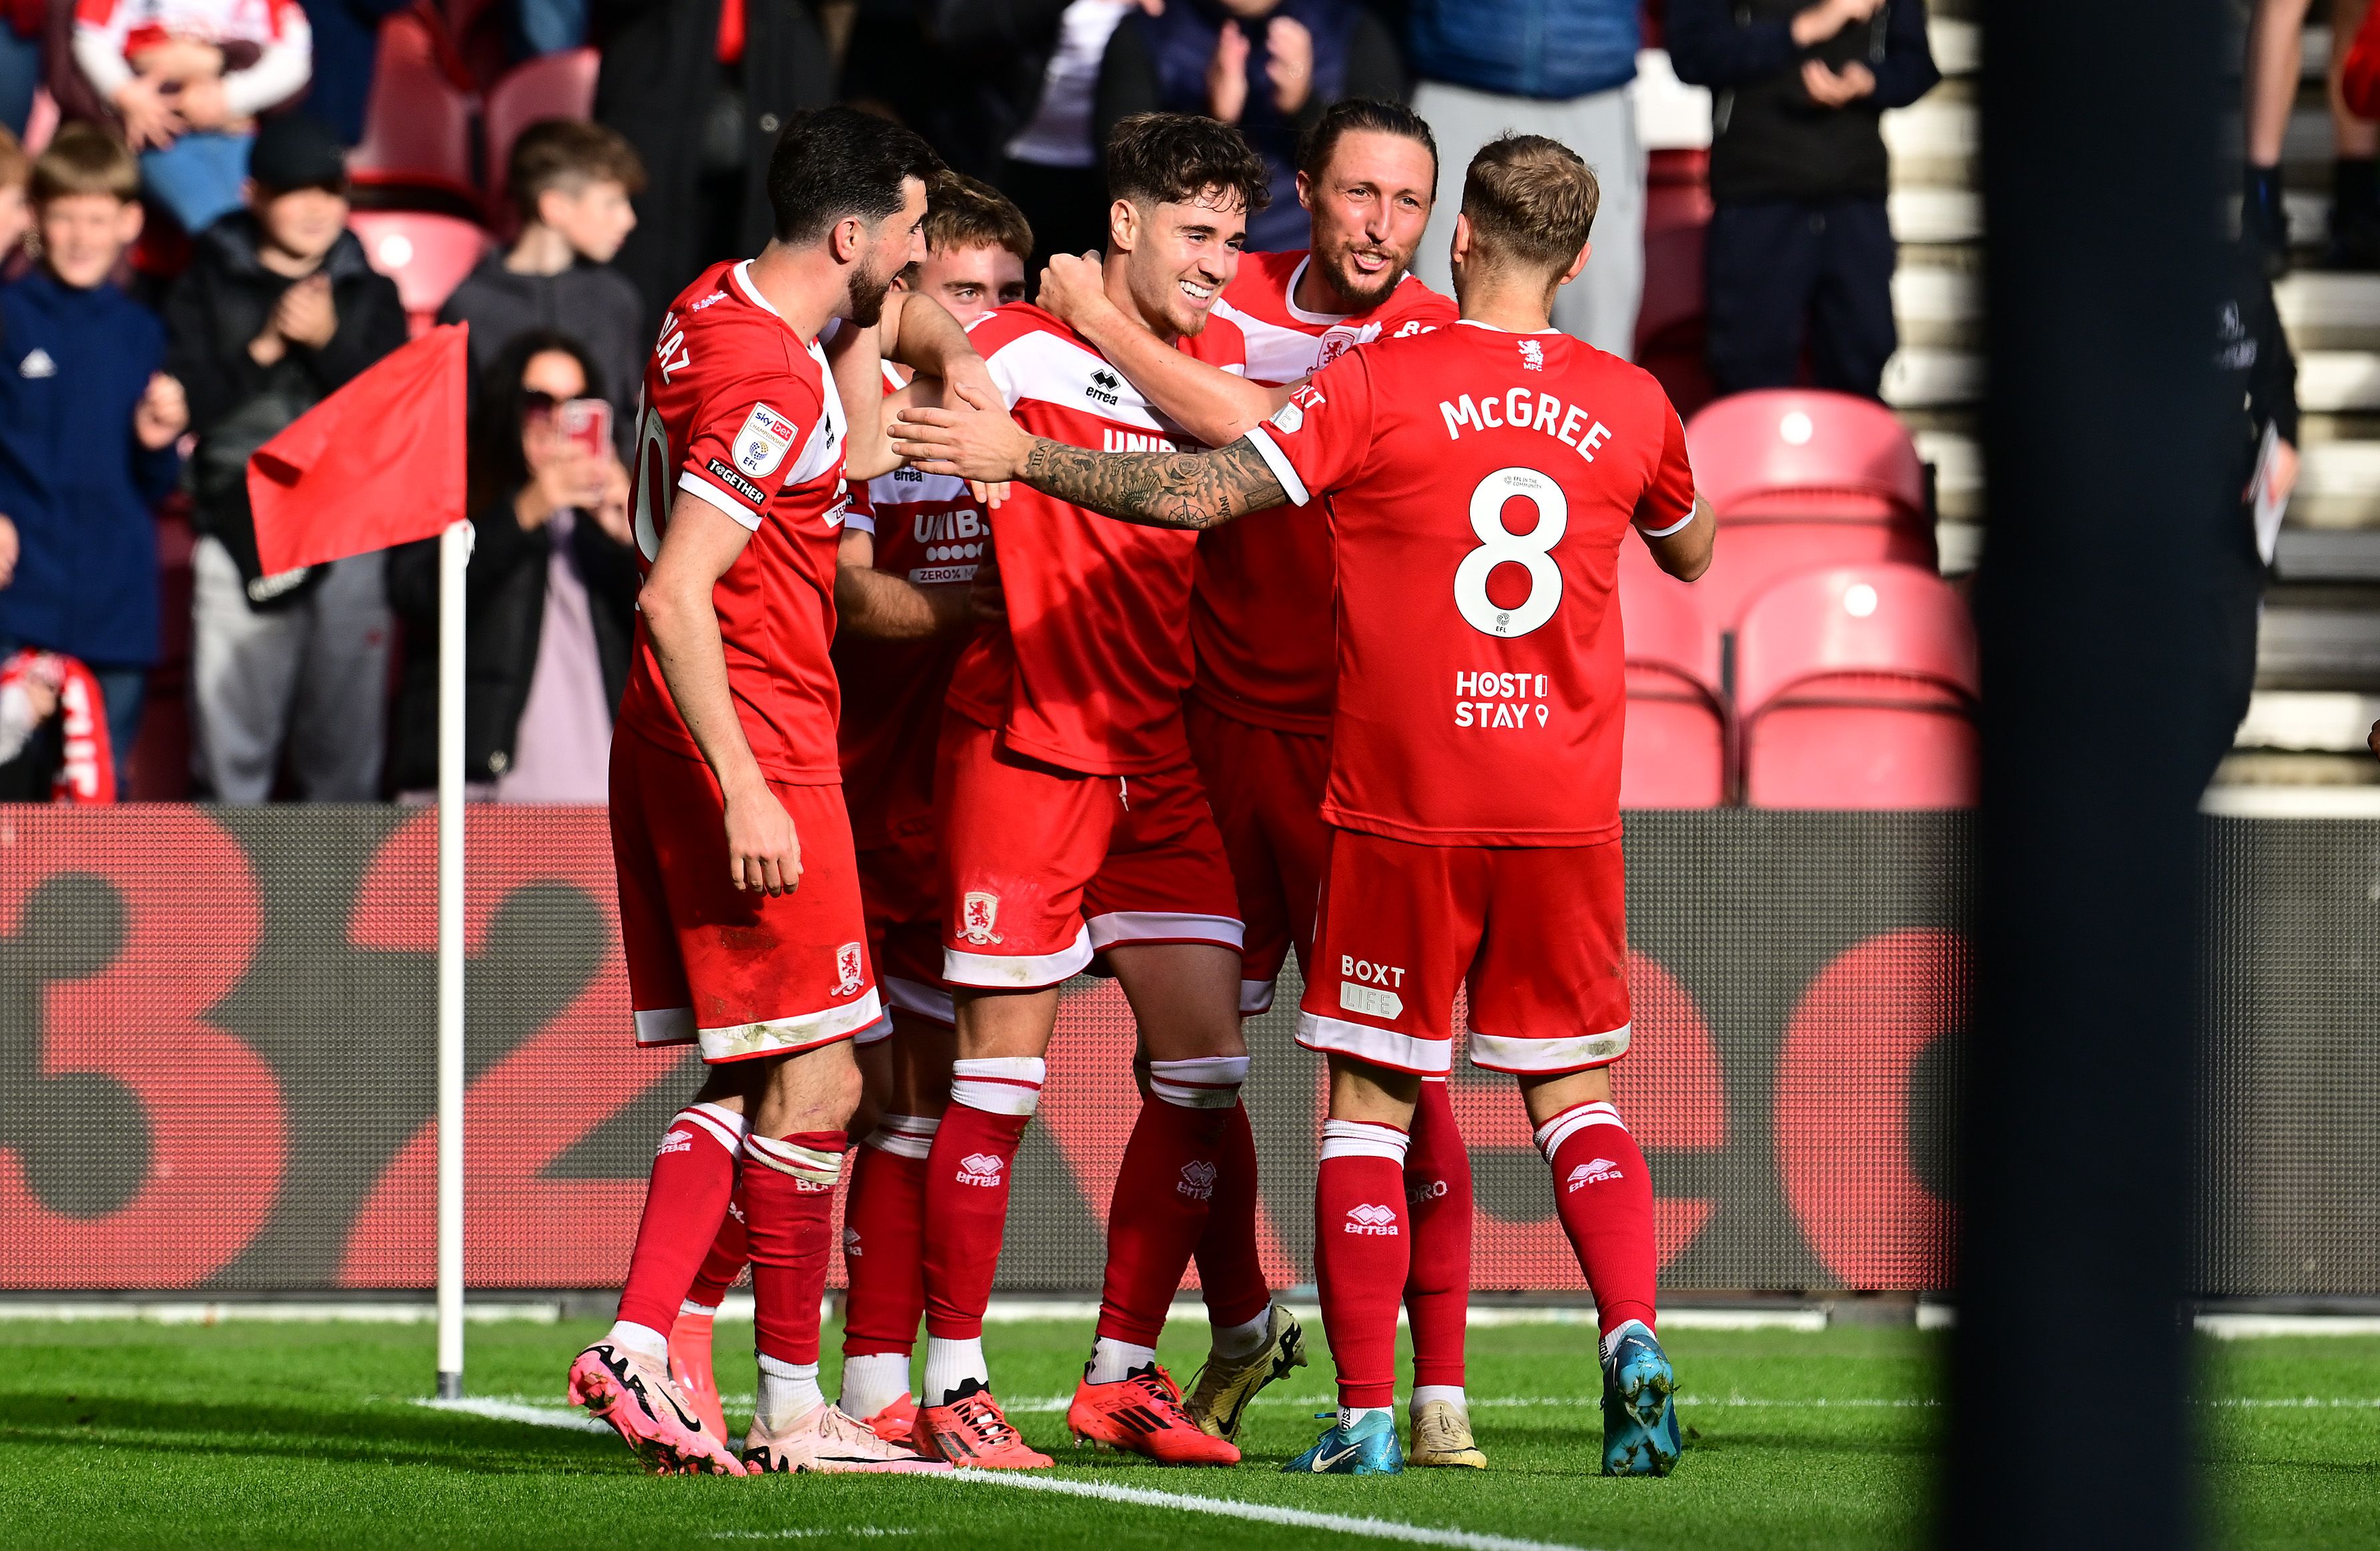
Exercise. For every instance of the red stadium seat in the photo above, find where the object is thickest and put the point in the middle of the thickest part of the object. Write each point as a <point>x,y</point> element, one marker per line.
<point>426,255</point>
<point>558,86</point>
<point>1856,688</point>
<point>418,126</point>
<point>1800,479</point>
<point>1804,453</point>
<point>1675,754</point>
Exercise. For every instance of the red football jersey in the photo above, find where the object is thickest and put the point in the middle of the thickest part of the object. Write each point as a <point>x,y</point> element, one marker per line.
<point>1479,486</point>
<point>739,411</point>
<point>1260,617</point>
<point>930,530</point>
<point>1088,672</point>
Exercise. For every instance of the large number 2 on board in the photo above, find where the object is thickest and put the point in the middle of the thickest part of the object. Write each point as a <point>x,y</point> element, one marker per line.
<point>1498,545</point>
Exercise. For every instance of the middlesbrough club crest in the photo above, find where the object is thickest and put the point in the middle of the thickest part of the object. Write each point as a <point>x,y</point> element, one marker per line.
<point>847,976</point>
<point>1335,342</point>
<point>977,913</point>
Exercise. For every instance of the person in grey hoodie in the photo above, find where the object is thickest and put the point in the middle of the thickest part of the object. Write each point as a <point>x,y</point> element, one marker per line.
<point>571,183</point>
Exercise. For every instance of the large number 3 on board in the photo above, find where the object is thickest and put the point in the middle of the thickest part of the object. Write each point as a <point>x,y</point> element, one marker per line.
<point>1500,545</point>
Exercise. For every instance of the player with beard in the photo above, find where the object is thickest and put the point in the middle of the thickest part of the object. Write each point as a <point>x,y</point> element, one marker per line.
<point>1074,824</point>
<point>740,913</point>
<point>1479,481</point>
<point>906,596</point>
<point>1259,712</point>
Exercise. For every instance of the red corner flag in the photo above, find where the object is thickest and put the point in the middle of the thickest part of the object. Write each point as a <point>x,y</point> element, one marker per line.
<point>379,462</point>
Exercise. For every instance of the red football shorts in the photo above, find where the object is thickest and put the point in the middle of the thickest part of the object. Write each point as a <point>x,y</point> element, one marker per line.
<point>899,884</point>
<point>1043,867</point>
<point>1266,786</point>
<point>740,973</point>
<point>1539,934</point>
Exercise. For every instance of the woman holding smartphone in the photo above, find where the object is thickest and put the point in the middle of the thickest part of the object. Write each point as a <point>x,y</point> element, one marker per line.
<point>551,605</point>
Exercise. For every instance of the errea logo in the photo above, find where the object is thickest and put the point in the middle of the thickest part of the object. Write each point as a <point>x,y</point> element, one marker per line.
<point>979,1169</point>
<point>1595,1171</point>
<point>1197,1181</point>
<point>1104,387</point>
<point>677,1141</point>
<point>1379,1222</point>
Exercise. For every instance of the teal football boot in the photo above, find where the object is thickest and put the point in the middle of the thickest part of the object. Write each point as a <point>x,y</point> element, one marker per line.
<point>1640,1416</point>
<point>1370,1447</point>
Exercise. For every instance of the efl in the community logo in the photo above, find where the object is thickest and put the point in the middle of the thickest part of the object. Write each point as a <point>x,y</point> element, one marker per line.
<point>1377,1221</point>
<point>978,913</point>
<point>979,1169</point>
<point>1198,1179</point>
<point>848,977</point>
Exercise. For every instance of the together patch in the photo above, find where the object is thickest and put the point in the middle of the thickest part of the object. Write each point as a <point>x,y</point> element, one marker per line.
<point>737,483</point>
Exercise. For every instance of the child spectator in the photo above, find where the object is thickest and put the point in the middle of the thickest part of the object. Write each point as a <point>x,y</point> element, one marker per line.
<point>571,182</point>
<point>278,308</point>
<point>1799,248</point>
<point>16,213</point>
<point>88,425</point>
<point>551,602</point>
<point>189,77</point>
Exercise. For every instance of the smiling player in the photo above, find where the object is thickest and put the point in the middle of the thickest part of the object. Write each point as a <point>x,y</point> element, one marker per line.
<point>1478,481</point>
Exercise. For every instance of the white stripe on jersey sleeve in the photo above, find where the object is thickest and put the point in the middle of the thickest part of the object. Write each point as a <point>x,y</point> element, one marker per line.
<point>1053,371</point>
<point>1675,527</point>
<point>1278,461</point>
<point>695,484</point>
<point>1276,354</point>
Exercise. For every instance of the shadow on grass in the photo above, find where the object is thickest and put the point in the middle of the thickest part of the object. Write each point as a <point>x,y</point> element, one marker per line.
<point>385,1433</point>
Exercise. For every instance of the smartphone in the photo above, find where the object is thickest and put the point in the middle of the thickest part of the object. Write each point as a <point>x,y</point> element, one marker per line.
<point>585,421</point>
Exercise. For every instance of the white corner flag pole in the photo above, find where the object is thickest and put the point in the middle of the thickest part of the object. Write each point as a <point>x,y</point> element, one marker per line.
<point>453,556</point>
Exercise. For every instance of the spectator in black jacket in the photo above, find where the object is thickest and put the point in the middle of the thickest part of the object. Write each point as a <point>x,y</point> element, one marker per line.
<point>2260,374</point>
<point>551,603</point>
<point>278,310</point>
<point>1269,66</point>
<point>1800,253</point>
<point>571,183</point>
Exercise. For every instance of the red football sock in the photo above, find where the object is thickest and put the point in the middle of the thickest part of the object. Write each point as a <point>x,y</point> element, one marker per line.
<point>967,1171</point>
<point>884,1236</point>
<point>694,1174</point>
<point>725,1262</point>
<point>1158,1210</point>
<point>1360,1254</point>
<point>1230,1272</point>
<point>1438,1195</point>
<point>789,1209</point>
<point>1605,1195</point>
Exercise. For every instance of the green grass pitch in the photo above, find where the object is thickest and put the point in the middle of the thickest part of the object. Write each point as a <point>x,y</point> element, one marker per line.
<point>296,1436</point>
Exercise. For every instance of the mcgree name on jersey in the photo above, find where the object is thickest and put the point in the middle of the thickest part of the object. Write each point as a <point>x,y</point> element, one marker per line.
<point>1524,409</point>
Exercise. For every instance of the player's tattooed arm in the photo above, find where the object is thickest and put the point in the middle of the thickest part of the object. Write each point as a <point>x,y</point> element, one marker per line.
<point>1193,490</point>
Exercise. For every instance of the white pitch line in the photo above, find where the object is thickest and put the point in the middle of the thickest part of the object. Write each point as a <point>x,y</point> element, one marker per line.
<point>1261,1513</point>
<point>515,1410</point>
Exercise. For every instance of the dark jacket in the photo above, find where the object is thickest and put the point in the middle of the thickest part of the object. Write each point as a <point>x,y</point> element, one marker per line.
<point>221,304</point>
<point>1768,139</point>
<point>505,615</point>
<point>77,482</point>
<point>347,50</point>
<point>1549,49</point>
<point>660,78</point>
<point>593,303</point>
<point>1159,64</point>
<point>966,74</point>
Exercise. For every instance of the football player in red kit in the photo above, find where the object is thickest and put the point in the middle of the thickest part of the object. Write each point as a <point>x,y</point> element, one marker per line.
<point>904,595</point>
<point>1478,481</point>
<point>1259,711</point>
<point>1074,824</point>
<point>740,911</point>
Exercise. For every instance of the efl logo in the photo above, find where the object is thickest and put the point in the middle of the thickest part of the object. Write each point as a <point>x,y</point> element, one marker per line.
<point>978,914</point>
<point>979,1169</point>
<point>848,978</point>
<point>676,1141</point>
<point>1379,1222</point>
<point>1197,1181</point>
<point>1594,1172</point>
<point>761,445</point>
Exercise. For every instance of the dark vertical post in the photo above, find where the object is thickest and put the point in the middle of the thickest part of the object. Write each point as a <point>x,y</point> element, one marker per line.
<point>2106,449</point>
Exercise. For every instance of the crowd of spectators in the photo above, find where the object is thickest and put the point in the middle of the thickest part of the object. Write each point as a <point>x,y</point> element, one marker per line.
<point>226,122</point>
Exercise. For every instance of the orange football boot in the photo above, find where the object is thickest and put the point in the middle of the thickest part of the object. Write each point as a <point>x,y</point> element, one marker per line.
<point>690,1369</point>
<point>1143,1414</point>
<point>972,1431</point>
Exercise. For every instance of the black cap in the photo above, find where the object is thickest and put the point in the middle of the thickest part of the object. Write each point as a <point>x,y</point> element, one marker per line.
<point>295,152</point>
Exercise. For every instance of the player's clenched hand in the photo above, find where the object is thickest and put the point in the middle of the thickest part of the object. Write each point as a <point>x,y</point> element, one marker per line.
<point>763,852</point>
<point>975,440</point>
<point>1074,286</point>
